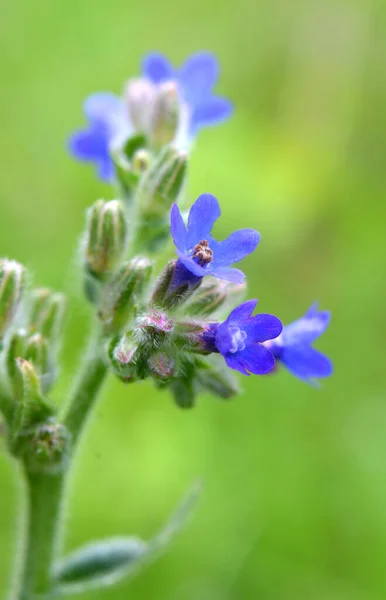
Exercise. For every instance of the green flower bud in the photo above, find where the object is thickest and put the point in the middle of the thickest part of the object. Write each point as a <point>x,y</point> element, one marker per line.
<point>188,335</point>
<point>208,298</point>
<point>141,160</point>
<point>31,408</point>
<point>165,294</point>
<point>12,283</point>
<point>154,327</point>
<point>46,448</point>
<point>123,357</point>
<point>121,295</point>
<point>15,350</point>
<point>161,366</point>
<point>47,313</point>
<point>165,115</point>
<point>218,381</point>
<point>163,182</point>
<point>183,387</point>
<point>159,187</point>
<point>106,236</point>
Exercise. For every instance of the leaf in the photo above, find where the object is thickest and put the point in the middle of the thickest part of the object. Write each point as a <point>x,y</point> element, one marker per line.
<point>99,564</point>
<point>107,562</point>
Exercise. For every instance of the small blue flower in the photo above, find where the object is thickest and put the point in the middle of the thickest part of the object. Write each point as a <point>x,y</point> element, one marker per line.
<point>108,115</point>
<point>196,80</point>
<point>199,253</point>
<point>240,339</point>
<point>107,122</point>
<point>293,347</point>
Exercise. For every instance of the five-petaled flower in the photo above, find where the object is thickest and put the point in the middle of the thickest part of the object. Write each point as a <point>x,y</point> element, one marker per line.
<point>109,121</point>
<point>293,346</point>
<point>240,339</point>
<point>199,253</point>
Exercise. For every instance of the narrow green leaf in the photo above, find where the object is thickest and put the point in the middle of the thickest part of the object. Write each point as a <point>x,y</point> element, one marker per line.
<point>99,564</point>
<point>105,563</point>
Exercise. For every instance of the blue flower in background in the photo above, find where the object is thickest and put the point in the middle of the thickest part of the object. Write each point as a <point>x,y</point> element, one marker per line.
<point>196,79</point>
<point>239,339</point>
<point>293,347</point>
<point>108,115</point>
<point>199,253</point>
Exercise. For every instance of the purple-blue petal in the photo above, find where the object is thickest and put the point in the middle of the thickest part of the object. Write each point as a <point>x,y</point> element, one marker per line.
<point>306,362</point>
<point>306,329</point>
<point>202,216</point>
<point>263,327</point>
<point>178,229</point>
<point>92,145</point>
<point>106,169</point>
<point>256,359</point>
<point>197,77</point>
<point>157,68</point>
<point>102,106</point>
<point>233,362</point>
<point>89,144</point>
<point>215,110</point>
<point>226,273</point>
<point>236,247</point>
<point>190,264</point>
<point>242,312</point>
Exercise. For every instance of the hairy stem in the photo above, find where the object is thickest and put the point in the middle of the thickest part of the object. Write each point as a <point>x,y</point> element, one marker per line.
<point>44,497</point>
<point>45,490</point>
<point>84,394</point>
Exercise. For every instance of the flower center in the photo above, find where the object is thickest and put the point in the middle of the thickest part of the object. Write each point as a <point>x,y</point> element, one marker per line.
<point>202,254</point>
<point>238,337</point>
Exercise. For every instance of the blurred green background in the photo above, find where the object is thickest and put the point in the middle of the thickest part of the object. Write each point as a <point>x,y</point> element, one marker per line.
<point>294,506</point>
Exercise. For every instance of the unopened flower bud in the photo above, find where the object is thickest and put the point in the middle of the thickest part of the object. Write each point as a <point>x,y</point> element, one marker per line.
<point>36,351</point>
<point>141,160</point>
<point>46,448</point>
<point>123,292</point>
<point>106,236</point>
<point>163,182</point>
<point>168,295</point>
<point>32,408</point>
<point>183,388</point>
<point>217,381</point>
<point>189,335</point>
<point>12,282</point>
<point>15,350</point>
<point>161,366</point>
<point>123,357</point>
<point>140,97</point>
<point>208,298</point>
<point>47,313</point>
<point>153,327</point>
<point>159,187</point>
<point>165,115</point>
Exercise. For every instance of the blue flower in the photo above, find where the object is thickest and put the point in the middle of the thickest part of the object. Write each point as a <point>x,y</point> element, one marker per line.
<point>240,339</point>
<point>108,116</point>
<point>107,122</point>
<point>199,253</point>
<point>293,347</point>
<point>196,80</point>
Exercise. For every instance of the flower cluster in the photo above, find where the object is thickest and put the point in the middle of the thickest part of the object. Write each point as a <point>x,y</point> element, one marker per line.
<point>167,104</point>
<point>172,330</point>
<point>188,328</point>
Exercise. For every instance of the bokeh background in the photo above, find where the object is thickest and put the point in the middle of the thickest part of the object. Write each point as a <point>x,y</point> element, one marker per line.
<point>294,504</point>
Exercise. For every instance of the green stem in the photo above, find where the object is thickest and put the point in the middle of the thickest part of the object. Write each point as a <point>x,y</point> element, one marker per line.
<point>43,524</point>
<point>85,392</point>
<point>45,491</point>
